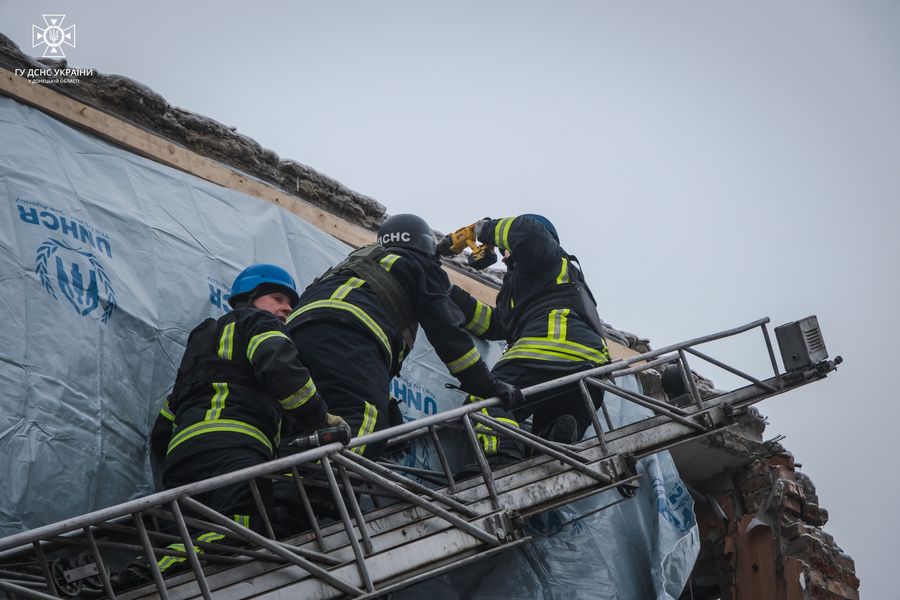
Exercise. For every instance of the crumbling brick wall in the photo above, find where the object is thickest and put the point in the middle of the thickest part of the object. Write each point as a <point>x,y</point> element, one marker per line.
<point>767,542</point>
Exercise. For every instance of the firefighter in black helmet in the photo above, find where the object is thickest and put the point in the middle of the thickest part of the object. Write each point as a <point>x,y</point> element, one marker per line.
<point>356,323</point>
<point>548,317</point>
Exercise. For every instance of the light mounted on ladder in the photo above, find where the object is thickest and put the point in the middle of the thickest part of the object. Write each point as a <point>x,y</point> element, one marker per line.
<point>801,344</point>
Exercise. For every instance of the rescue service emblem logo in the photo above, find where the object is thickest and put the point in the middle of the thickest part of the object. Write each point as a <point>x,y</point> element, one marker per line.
<point>77,275</point>
<point>53,36</point>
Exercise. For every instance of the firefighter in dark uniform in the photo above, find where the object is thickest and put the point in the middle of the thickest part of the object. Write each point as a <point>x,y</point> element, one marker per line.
<point>547,315</point>
<point>239,380</point>
<point>356,323</point>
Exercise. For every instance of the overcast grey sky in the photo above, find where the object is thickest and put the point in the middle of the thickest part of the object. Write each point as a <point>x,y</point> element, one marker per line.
<point>710,162</point>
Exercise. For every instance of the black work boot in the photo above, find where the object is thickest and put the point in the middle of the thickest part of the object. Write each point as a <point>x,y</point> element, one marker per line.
<point>563,430</point>
<point>134,575</point>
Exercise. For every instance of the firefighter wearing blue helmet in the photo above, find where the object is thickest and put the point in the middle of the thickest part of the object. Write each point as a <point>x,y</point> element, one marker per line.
<point>239,378</point>
<point>548,317</point>
<point>356,323</point>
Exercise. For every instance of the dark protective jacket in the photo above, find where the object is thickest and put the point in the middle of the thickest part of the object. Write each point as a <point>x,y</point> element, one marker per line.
<point>239,375</point>
<point>544,310</point>
<point>419,286</point>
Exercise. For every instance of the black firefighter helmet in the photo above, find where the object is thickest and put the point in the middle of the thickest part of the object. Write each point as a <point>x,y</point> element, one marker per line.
<point>407,231</point>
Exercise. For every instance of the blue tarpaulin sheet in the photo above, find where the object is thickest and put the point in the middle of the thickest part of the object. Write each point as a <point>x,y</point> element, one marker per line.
<point>108,260</point>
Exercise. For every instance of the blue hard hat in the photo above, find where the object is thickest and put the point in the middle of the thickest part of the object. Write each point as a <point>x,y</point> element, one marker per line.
<point>545,222</point>
<point>262,274</point>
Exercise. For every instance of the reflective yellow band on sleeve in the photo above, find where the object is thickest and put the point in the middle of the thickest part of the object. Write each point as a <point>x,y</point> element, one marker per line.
<point>481,322</point>
<point>388,261</point>
<point>359,313</point>
<point>370,417</point>
<point>226,342</point>
<point>501,233</point>
<point>300,397</point>
<point>464,362</point>
<point>258,339</point>
<point>218,426</point>
<point>166,410</point>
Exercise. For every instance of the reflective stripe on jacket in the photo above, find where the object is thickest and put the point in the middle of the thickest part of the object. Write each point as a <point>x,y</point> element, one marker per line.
<point>536,311</point>
<point>350,300</point>
<point>238,376</point>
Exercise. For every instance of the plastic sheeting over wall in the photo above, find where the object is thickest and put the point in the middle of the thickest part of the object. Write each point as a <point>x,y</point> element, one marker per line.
<point>107,260</point>
<point>601,548</point>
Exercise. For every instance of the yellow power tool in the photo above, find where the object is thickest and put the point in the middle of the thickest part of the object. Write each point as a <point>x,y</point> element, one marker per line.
<point>482,255</point>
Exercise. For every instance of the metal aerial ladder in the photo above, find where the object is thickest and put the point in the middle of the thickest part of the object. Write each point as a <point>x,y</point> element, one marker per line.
<point>391,527</point>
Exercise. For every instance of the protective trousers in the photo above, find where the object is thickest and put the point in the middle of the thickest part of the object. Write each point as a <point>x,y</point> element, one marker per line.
<point>544,407</point>
<point>234,501</point>
<point>351,375</point>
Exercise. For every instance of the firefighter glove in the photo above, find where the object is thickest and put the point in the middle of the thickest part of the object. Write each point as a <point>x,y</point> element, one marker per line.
<point>509,395</point>
<point>444,246</point>
<point>478,228</point>
<point>336,421</point>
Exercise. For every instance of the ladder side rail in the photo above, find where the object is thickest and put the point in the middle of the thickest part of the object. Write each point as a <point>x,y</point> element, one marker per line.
<point>645,401</point>
<point>743,396</point>
<point>208,547</point>
<point>442,457</point>
<point>412,498</point>
<point>413,486</point>
<point>443,417</point>
<point>151,557</point>
<point>307,508</point>
<point>765,330</point>
<point>728,368</point>
<point>354,507</point>
<point>164,498</point>
<point>592,413</point>
<point>348,526</point>
<point>261,508</point>
<point>24,591</point>
<point>505,430</point>
<point>203,525</point>
<point>274,547</point>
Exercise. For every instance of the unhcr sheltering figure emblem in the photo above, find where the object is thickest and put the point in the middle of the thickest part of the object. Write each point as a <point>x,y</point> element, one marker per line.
<point>68,263</point>
<point>78,275</point>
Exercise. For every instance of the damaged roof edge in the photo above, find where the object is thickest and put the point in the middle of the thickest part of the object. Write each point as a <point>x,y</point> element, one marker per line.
<point>138,104</point>
<point>135,103</point>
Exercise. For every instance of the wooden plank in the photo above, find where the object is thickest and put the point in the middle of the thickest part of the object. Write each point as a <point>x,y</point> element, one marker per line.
<point>154,147</point>
<point>140,141</point>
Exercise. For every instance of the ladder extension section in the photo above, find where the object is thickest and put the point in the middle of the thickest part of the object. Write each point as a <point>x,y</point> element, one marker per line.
<point>409,530</point>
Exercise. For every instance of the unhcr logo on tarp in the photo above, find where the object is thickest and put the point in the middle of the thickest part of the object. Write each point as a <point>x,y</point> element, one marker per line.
<point>77,284</point>
<point>219,293</point>
<point>70,268</point>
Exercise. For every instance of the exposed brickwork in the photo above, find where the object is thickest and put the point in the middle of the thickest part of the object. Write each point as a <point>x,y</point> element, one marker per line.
<point>809,564</point>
